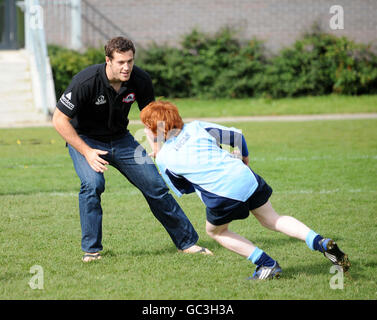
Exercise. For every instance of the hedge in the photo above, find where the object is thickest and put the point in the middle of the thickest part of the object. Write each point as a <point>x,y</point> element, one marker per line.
<point>222,66</point>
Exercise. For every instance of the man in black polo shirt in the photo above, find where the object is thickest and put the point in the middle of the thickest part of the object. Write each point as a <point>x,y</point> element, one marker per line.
<point>92,117</point>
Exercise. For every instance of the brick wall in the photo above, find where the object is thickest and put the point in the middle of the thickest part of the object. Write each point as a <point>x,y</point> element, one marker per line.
<point>278,22</point>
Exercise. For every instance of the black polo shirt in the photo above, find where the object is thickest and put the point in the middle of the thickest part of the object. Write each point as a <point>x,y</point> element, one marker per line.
<point>96,109</point>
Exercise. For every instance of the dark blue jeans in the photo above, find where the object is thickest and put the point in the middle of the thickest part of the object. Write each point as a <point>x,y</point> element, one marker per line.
<point>130,158</point>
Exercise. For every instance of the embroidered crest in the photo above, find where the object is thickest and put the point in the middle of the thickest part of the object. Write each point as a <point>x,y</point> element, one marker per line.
<point>130,98</point>
<point>100,100</point>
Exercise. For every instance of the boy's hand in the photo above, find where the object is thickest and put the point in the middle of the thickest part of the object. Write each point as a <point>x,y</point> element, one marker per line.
<point>237,154</point>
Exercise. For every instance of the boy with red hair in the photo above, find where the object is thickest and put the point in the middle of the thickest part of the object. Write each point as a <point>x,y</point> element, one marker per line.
<point>192,160</point>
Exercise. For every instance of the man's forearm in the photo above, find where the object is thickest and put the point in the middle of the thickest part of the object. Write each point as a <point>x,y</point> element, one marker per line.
<point>68,133</point>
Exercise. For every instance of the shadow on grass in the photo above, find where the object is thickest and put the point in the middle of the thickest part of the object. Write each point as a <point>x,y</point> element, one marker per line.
<point>139,252</point>
<point>280,240</point>
<point>272,242</point>
<point>309,270</point>
<point>357,272</point>
<point>169,250</point>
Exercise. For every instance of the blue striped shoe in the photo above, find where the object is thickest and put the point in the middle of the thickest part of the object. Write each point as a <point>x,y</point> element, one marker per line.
<point>263,272</point>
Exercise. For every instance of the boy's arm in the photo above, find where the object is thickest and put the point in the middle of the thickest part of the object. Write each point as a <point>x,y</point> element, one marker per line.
<point>229,136</point>
<point>153,142</point>
<point>165,176</point>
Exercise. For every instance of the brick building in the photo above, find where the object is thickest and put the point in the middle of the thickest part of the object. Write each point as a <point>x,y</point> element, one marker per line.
<point>278,22</point>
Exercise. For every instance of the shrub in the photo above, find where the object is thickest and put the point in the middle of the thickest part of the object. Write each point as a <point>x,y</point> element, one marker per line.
<point>242,78</point>
<point>320,64</point>
<point>205,66</point>
<point>65,63</point>
<point>355,68</point>
<point>299,70</point>
<point>210,58</point>
<point>168,69</point>
<point>222,66</point>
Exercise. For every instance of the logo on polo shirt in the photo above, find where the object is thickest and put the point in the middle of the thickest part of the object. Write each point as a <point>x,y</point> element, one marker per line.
<point>65,99</point>
<point>130,98</point>
<point>100,100</point>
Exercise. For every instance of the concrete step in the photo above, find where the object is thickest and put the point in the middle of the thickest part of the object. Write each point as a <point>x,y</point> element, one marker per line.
<point>14,71</point>
<point>16,95</point>
<point>26,113</point>
<point>9,78</point>
<point>14,67</point>
<point>13,56</point>
<point>18,108</point>
<point>21,90</point>
<point>25,120</point>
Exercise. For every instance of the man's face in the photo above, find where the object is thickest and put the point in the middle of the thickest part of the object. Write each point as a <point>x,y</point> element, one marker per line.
<point>120,66</point>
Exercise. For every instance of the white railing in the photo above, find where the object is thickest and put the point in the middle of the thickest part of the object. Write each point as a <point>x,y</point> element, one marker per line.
<point>35,44</point>
<point>63,22</point>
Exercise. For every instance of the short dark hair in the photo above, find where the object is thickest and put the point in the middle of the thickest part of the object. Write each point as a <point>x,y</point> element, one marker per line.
<point>118,44</point>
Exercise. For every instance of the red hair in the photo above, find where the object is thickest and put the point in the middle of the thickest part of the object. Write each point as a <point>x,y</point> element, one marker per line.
<point>161,117</point>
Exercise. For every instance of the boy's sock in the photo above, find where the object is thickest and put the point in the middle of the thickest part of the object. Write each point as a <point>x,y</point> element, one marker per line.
<point>313,239</point>
<point>260,258</point>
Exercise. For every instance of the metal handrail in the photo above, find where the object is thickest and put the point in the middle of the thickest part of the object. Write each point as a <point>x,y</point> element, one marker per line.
<point>35,44</point>
<point>100,17</point>
<point>78,24</point>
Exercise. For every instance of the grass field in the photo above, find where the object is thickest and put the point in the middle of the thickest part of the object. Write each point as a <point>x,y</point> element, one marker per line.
<point>322,172</point>
<point>196,108</point>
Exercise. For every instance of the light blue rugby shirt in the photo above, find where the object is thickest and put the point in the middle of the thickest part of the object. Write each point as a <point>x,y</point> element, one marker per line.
<point>194,161</point>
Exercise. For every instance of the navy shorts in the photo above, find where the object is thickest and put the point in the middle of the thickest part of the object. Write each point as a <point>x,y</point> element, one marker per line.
<point>241,210</point>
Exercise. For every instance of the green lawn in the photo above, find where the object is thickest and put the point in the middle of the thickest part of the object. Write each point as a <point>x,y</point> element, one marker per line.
<point>322,172</point>
<point>192,108</point>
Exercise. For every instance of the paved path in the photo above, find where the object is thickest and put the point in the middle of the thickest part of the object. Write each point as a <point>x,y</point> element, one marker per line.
<point>311,117</point>
<point>292,117</point>
<point>295,118</point>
